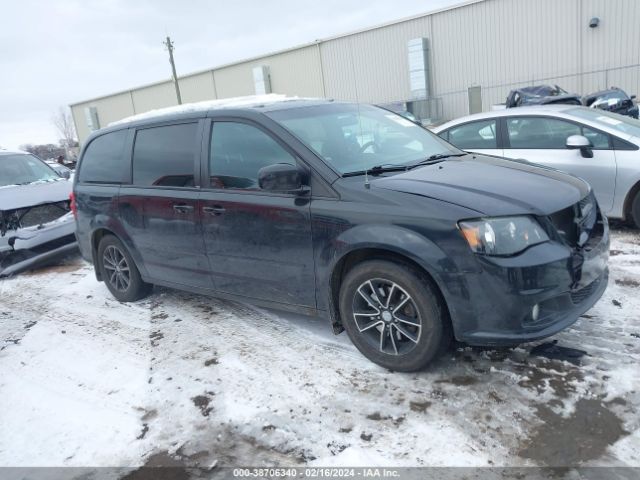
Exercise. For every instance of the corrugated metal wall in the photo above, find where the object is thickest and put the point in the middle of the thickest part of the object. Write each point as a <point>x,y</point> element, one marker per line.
<point>198,87</point>
<point>496,44</point>
<point>110,109</point>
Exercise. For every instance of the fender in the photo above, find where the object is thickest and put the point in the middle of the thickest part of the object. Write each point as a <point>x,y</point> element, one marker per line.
<point>392,238</point>
<point>113,226</point>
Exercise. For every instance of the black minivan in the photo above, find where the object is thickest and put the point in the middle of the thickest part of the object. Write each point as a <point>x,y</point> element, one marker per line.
<point>344,210</point>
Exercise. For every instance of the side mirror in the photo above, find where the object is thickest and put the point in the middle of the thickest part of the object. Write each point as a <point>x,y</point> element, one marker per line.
<point>65,174</point>
<point>281,177</point>
<point>582,143</point>
<point>632,97</point>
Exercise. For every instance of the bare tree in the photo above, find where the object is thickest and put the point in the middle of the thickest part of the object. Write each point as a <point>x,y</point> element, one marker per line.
<point>45,151</point>
<point>63,121</point>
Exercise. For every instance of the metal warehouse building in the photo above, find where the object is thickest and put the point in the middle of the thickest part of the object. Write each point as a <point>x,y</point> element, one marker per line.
<point>440,65</point>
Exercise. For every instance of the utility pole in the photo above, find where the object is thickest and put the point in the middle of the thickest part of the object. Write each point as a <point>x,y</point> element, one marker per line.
<point>169,44</point>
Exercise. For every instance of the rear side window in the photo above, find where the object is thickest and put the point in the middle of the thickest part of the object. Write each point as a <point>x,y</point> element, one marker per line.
<point>540,133</point>
<point>238,151</point>
<point>165,156</point>
<point>474,135</point>
<point>543,133</point>
<point>103,160</point>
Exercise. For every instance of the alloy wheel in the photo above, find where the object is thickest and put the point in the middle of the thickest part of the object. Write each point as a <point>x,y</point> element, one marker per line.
<point>116,268</point>
<point>386,316</point>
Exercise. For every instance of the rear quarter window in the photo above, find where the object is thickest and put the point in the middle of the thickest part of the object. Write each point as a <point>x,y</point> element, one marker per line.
<point>103,160</point>
<point>619,144</point>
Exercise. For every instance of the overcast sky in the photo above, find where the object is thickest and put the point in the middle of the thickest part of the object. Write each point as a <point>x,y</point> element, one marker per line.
<point>53,53</point>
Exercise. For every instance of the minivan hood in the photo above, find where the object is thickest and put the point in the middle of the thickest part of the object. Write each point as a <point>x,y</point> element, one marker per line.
<point>491,185</point>
<point>20,196</point>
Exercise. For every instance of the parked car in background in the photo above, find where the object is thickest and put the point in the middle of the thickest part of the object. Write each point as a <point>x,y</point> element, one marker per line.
<point>60,169</point>
<point>541,95</point>
<point>601,147</point>
<point>36,224</point>
<point>613,100</point>
<point>348,211</point>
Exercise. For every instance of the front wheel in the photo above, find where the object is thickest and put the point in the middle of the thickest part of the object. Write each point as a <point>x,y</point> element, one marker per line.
<point>119,271</point>
<point>393,315</point>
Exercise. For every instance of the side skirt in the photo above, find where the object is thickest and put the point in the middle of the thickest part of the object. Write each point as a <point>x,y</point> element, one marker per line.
<point>310,311</point>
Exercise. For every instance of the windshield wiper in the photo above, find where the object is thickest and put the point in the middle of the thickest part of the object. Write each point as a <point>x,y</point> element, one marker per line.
<point>390,167</point>
<point>377,170</point>
<point>436,158</point>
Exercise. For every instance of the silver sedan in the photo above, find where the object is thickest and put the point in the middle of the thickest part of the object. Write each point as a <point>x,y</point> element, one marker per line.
<point>36,222</point>
<point>601,147</point>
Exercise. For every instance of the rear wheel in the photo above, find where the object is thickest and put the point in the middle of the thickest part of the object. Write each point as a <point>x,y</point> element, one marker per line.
<point>635,210</point>
<point>393,315</point>
<point>119,271</point>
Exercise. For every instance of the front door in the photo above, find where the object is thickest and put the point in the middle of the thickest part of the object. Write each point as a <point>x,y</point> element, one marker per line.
<point>160,207</point>
<point>543,140</point>
<point>258,243</point>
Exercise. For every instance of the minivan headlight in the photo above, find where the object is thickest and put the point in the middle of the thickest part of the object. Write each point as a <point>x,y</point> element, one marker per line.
<point>502,235</point>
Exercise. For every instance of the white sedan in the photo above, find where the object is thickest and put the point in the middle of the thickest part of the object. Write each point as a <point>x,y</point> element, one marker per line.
<point>601,147</point>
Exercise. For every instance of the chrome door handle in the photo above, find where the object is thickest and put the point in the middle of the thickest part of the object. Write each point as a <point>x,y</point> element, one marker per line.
<point>182,208</point>
<point>215,210</point>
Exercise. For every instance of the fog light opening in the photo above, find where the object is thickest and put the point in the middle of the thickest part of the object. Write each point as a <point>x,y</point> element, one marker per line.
<point>535,312</point>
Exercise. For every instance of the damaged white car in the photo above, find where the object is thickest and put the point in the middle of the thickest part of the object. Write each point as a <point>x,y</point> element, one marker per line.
<point>36,222</point>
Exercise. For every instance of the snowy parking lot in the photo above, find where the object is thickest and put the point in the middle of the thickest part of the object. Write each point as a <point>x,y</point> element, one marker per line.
<point>190,380</point>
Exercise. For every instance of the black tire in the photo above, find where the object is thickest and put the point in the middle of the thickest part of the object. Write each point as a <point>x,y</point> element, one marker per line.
<point>399,345</point>
<point>635,211</point>
<point>112,253</point>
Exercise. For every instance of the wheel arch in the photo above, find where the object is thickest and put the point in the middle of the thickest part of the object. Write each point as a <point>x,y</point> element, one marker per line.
<point>628,201</point>
<point>364,253</point>
<point>98,234</point>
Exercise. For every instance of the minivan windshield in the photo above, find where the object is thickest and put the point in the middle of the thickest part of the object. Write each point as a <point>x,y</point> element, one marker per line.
<point>22,169</point>
<point>621,123</point>
<point>356,138</point>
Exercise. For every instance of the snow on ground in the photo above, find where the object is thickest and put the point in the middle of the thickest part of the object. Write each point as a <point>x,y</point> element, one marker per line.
<point>87,381</point>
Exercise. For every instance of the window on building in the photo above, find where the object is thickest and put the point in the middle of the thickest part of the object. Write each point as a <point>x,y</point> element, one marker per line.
<point>165,156</point>
<point>238,151</point>
<point>475,135</point>
<point>103,160</point>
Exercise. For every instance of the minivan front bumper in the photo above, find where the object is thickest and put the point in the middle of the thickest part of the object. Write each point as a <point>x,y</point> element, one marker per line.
<point>530,296</point>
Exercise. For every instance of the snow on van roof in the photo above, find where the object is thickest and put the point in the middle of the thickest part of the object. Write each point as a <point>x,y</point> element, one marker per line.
<point>234,102</point>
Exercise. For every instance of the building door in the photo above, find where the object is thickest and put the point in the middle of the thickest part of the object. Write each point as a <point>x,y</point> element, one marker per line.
<point>475,99</point>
